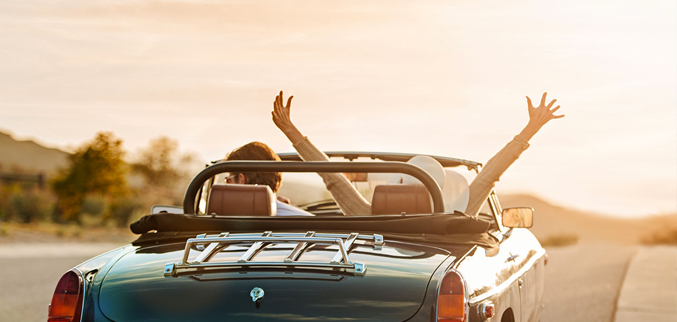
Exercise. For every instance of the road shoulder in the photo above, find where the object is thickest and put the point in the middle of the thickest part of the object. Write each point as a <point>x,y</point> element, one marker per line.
<point>54,250</point>
<point>649,291</point>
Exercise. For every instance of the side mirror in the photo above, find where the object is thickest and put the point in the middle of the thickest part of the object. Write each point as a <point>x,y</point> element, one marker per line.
<point>519,217</point>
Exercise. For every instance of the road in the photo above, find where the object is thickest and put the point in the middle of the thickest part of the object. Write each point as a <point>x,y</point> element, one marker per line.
<point>582,282</point>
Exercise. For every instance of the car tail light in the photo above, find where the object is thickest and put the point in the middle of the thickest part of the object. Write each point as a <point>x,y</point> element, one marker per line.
<point>67,300</point>
<point>451,303</point>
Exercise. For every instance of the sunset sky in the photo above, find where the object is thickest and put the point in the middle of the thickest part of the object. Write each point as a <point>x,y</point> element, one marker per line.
<point>437,77</point>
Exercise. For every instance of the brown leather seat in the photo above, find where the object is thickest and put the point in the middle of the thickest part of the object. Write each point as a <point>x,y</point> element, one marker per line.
<point>241,200</point>
<point>393,199</point>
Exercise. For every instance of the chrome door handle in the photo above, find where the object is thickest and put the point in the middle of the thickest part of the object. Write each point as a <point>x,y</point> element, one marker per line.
<point>512,258</point>
<point>520,282</point>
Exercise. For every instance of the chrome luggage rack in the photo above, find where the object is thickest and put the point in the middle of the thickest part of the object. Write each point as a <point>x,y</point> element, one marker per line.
<point>210,245</point>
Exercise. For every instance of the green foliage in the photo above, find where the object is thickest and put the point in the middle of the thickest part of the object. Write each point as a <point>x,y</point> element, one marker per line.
<point>93,190</point>
<point>164,172</point>
<point>560,240</point>
<point>25,205</point>
<point>30,207</point>
<point>157,162</point>
<point>122,209</point>
<point>94,205</point>
<point>6,194</point>
<point>95,168</point>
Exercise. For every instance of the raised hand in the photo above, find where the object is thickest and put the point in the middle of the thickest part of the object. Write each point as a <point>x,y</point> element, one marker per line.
<point>543,113</point>
<point>539,116</point>
<point>281,113</point>
<point>282,118</point>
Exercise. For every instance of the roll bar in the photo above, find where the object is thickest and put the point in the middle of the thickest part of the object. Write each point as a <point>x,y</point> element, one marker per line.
<point>388,156</point>
<point>314,166</point>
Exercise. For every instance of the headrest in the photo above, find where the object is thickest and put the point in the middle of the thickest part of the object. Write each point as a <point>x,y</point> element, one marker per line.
<point>241,200</point>
<point>456,192</point>
<point>428,164</point>
<point>394,199</point>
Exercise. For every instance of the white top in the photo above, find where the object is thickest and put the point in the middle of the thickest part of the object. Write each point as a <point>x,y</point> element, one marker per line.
<point>284,209</point>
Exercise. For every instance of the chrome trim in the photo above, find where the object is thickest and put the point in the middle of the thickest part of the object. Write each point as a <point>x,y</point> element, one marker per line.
<point>216,243</point>
<point>84,291</point>
<point>496,208</point>
<point>296,252</point>
<point>169,268</point>
<point>249,254</point>
<point>375,239</point>
<point>481,310</point>
<point>512,257</point>
<point>378,242</point>
<point>200,247</point>
<point>507,233</point>
<point>343,255</point>
<point>360,268</point>
<point>501,288</point>
<point>209,251</point>
<point>386,156</point>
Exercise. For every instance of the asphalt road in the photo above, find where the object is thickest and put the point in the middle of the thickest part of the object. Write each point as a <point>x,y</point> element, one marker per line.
<point>27,285</point>
<point>582,283</point>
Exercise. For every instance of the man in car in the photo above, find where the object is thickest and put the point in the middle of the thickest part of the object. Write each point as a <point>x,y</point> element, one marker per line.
<point>260,151</point>
<point>351,201</point>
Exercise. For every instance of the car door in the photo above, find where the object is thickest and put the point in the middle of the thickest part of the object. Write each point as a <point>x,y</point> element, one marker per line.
<point>491,273</point>
<point>523,252</point>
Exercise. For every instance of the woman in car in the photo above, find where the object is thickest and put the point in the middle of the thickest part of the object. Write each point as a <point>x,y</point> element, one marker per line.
<point>351,201</point>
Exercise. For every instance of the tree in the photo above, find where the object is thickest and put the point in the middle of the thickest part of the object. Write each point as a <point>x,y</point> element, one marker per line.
<point>95,168</point>
<point>157,162</point>
<point>164,170</point>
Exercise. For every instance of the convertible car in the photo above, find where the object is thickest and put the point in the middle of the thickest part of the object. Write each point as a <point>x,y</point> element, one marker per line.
<point>224,255</point>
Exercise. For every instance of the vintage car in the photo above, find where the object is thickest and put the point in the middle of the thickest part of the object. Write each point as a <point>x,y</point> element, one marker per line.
<point>225,256</point>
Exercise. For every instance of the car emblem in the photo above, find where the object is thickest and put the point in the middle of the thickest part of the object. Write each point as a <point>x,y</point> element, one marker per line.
<point>256,294</point>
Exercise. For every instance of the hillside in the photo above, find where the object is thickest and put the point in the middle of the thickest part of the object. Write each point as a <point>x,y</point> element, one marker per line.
<point>549,219</point>
<point>29,156</point>
<point>552,220</point>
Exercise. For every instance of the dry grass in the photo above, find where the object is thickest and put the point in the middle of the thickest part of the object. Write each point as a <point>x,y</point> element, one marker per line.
<point>559,240</point>
<point>662,237</point>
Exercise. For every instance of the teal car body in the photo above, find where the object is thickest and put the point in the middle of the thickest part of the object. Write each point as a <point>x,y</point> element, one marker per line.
<point>401,265</point>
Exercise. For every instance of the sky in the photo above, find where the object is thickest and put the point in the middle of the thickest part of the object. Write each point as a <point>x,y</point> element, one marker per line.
<point>432,77</point>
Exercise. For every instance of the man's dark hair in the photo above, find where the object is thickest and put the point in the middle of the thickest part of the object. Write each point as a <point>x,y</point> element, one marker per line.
<point>258,151</point>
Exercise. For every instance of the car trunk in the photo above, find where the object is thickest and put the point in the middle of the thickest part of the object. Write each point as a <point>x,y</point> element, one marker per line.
<point>393,288</point>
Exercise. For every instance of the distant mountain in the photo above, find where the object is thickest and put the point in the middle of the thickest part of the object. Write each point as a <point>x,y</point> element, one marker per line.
<point>550,220</point>
<point>29,156</point>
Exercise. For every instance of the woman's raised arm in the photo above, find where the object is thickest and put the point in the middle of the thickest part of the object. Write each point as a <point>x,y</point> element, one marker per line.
<point>345,194</point>
<point>485,181</point>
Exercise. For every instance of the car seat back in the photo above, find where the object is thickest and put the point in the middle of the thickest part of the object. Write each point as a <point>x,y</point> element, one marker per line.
<point>456,191</point>
<point>393,199</point>
<point>241,200</point>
